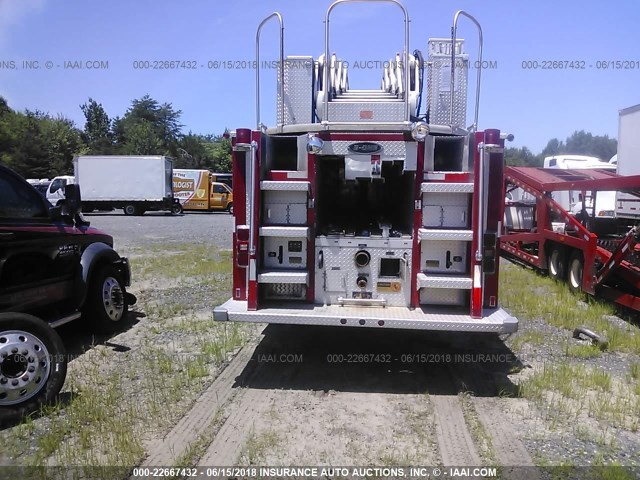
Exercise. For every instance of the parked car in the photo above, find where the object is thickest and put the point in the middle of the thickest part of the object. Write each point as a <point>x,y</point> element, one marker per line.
<point>54,268</point>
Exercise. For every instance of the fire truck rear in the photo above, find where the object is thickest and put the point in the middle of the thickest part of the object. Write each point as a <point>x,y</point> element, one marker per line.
<point>358,210</point>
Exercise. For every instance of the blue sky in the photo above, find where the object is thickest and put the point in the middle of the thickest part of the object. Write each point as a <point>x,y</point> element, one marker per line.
<point>534,105</point>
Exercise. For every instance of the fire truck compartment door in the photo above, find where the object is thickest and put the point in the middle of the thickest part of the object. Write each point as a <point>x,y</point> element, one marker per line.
<point>444,256</point>
<point>451,216</point>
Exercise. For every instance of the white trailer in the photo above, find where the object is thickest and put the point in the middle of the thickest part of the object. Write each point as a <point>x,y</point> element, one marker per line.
<point>135,183</point>
<point>628,159</point>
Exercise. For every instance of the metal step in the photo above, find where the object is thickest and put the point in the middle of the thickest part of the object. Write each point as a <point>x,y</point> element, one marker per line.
<point>368,100</point>
<point>275,276</point>
<point>365,94</point>
<point>439,234</point>
<point>441,187</point>
<point>443,281</point>
<point>271,185</point>
<point>287,232</point>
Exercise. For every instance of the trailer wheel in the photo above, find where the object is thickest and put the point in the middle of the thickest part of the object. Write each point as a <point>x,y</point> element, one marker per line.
<point>33,366</point>
<point>230,208</point>
<point>576,268</point>
<point>131,209</point>
<point>176,209</point>
<point>557,263</point>
<point>107,300</point>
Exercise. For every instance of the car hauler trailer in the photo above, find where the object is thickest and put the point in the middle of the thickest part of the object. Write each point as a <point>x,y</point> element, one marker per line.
<point>539,233</point>
<point>355,211</point>
<point>198,190</point>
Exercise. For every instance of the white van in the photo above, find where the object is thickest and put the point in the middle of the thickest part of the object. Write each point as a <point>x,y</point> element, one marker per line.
<point>55,192</point>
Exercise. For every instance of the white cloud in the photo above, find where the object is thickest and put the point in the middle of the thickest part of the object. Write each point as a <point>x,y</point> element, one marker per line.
<point>12,12</point>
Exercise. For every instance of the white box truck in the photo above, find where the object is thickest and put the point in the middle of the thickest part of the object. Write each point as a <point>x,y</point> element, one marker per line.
<point>628,159</point>
<point>135,183</point>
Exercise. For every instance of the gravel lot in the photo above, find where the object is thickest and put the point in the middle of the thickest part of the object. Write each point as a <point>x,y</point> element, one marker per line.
<point>301,395</point>
<point>156,227</point>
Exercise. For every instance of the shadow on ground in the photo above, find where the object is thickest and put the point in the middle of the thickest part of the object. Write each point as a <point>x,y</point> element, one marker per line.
<point>345,359</point>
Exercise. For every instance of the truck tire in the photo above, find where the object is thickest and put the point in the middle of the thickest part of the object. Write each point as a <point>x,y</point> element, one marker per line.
<point>576,269</point>
<point>176,209</point>
<point>131,209</point>
<point>107,301</point>
<point>557,263</point>
<point>33,366</point>
<point>230,208</point>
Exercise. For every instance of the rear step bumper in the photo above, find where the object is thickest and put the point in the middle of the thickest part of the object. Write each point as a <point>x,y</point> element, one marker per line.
<point>426,318</point>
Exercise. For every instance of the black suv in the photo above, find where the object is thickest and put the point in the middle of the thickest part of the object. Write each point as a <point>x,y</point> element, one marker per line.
<point>54,268</point>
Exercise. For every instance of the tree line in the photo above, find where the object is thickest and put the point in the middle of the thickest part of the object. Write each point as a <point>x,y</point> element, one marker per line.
<point>38,145</point>
<point>579,143</point>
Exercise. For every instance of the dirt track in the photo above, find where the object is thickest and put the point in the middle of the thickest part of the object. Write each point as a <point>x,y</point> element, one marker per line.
<point>321,396</point>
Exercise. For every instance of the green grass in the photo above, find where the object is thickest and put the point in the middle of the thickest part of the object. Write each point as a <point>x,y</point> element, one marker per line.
<point>567,390</point>
<point>182,261</point>
<point>529,295</point>
<point>582,351</point>
<point>532,337</point>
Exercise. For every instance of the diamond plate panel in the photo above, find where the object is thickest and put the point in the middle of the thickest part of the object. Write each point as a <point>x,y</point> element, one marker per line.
<point>298,91</point>
<point>291,232</point>
<point>437,187</point>
<point>284,186</point>
<point>366,112</point>
<point>337,273</point>
<point>390,149</point>
<point>432,234</point>
<point>283,277</point>
<point>443,296</point>
<point>284,291</point>
<point>443,281</point>
<point>439,82</point>
<point>448,319</point>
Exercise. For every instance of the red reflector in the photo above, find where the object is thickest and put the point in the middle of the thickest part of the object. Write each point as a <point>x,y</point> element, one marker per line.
<point>243,233</point>
<point>366,114</point>
<point>243,258</point>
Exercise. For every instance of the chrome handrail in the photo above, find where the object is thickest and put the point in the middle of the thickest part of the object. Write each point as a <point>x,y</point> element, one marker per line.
<point>325,80</point>
<point>281,68</point>
<point>454,30</point>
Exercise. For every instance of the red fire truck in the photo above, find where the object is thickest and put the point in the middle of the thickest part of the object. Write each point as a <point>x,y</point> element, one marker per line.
<point>359,209</point>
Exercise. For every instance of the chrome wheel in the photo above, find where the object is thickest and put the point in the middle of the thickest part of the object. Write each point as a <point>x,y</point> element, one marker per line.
<point>112,299</point>
<point>25,365</point>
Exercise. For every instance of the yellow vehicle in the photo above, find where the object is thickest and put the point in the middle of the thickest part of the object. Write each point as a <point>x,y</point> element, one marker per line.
<point>197,191</point>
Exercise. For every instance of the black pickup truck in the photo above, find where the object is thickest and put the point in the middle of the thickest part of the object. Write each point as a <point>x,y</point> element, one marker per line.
<point>54,268</point>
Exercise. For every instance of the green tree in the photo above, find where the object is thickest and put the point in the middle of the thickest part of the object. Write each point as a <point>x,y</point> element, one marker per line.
<point>62,141</point>
<point>148,127</point>
<point>97,128</point>
<point>519,157</point>
<point>219,149</point>
<point>584,143</point>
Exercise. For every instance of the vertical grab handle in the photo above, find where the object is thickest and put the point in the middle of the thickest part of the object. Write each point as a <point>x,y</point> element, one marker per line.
<point>281,67</point>
<point>454,30</point>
